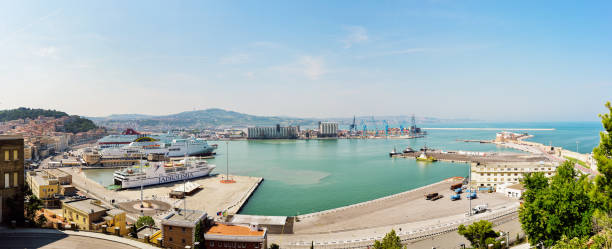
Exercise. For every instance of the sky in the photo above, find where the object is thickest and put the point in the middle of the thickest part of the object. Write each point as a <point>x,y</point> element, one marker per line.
<point>485,60</point>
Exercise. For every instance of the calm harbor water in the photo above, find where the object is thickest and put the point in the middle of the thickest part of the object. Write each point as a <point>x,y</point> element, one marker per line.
<point>308,176</point>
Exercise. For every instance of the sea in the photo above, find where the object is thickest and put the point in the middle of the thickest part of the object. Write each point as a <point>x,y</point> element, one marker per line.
<point>305,176</point>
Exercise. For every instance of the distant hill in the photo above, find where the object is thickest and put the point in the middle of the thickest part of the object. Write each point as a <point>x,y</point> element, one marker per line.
<point>74,124</point>
<point>218,117</point>
<point>201,118</point>
<point>23,113</point>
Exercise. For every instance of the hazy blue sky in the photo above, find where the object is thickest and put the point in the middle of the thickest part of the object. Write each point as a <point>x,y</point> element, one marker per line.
<point>492,60</point>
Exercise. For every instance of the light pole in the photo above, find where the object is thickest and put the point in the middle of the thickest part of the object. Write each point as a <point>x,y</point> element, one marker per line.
<point>227,160</point>
<point>577,146</point>
<point>470,184</point>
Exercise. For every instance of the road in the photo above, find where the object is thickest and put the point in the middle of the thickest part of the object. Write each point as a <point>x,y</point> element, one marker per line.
<point>58,240</point>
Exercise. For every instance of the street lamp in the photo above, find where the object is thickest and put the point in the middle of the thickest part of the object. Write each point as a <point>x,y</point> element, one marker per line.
<point>577,146</point>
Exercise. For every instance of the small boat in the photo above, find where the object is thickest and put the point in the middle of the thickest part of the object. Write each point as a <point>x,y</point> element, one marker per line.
<point>409,150</point>
<point>394,152</point>
<point>425,158</point>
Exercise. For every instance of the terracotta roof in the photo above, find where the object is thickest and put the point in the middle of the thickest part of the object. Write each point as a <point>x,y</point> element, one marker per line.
<point>233,230</point>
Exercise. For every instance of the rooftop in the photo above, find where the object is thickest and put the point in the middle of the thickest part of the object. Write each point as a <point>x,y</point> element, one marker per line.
<point>185,218</point>
<point>10,137</point>
<point>233,230</point>
<point>86,206</point>
<point>114,212</point>
<point>263,220</point>
<point>517,186</point>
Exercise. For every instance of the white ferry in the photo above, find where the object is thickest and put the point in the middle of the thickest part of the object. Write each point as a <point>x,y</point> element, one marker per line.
<point>174,148</point>
<point>162,172</point>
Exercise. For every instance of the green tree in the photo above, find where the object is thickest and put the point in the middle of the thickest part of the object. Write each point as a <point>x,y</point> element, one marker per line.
<point>479,233</point>
<point>556,207</point>
<point>145,221</point>
<point>390,241</point>
<point>41,220</point>
<point>199,236</point>
<point>32,206</point>
<point>573,243</point>
<point>274,246</point>
<point>134,231</point>
<point>602,194</point>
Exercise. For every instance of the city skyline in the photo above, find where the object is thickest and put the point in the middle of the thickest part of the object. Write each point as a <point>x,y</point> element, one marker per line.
<point>519,61</point>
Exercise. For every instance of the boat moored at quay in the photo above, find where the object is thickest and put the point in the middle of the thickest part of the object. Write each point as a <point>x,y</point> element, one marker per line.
<point>161,172</point>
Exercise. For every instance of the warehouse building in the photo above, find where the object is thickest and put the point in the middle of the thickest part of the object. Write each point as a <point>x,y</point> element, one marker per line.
<point>328,129</point>
<point>273,132</point>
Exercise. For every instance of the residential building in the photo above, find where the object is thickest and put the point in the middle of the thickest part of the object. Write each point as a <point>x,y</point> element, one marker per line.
<point>511,190</point>
<point>44,187</point>
<point>498,173</point>
<point>62,177</point>
<point>178,228</point>
<point>91,215</point>
<point>11,178</point>
<point>273,132</point>
<point>223,236</point>
<point>328,129</point>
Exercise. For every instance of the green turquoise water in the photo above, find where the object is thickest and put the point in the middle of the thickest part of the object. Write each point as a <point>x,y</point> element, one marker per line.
<point>304,176</point>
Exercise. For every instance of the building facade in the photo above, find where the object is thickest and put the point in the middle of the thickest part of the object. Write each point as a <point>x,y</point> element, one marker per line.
<point>223,236</point>
<point>45,188</point>
<point>11,179</point>
<point>179,228</point>
<point>498,173</point>
<point>92,215</point>
<point>273,132</point>
<point>328,129</point>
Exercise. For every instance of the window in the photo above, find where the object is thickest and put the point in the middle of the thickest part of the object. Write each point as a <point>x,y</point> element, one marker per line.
<point>183,229</point>
<point>212,243</point>
<point>170,238</point>
<point>15,179</point>
<point>15,155</point>
<point>170,228</point>
<point>7,178</point>
<point>183,240</point>
<point>6,155</point>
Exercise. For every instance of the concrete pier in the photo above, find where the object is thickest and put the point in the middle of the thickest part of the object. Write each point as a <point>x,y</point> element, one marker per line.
<point>213,197</point>
<point>470,156</point>
<point>412,217</point>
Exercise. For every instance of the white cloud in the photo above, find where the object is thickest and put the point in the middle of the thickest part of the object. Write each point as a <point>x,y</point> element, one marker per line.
<point>313,67</point>
<point>309,66</point>
<point>46,52</point>
<point>397,52</point>
<point>235,59</point>
<point>357,34</point>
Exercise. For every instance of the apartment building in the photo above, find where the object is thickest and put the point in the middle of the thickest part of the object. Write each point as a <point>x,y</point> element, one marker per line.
<point>91,215</point>
<point>178,228</point>
<point>498,173</point>
<point>11,178</point>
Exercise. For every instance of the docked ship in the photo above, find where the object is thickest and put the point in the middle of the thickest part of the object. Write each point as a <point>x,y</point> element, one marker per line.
<point>174,148</point>
<point>128,136</point>
<point>161,172</point>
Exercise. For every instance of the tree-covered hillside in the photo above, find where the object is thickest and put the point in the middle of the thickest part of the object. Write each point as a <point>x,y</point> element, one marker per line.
<point>23,113</point>
<point>78,124</point>
<point>74,124</point>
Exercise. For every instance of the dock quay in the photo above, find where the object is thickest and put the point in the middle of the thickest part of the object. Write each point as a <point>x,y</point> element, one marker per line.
<point>475,157</point>
<point>212,197</point>
<point>413,218</point>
